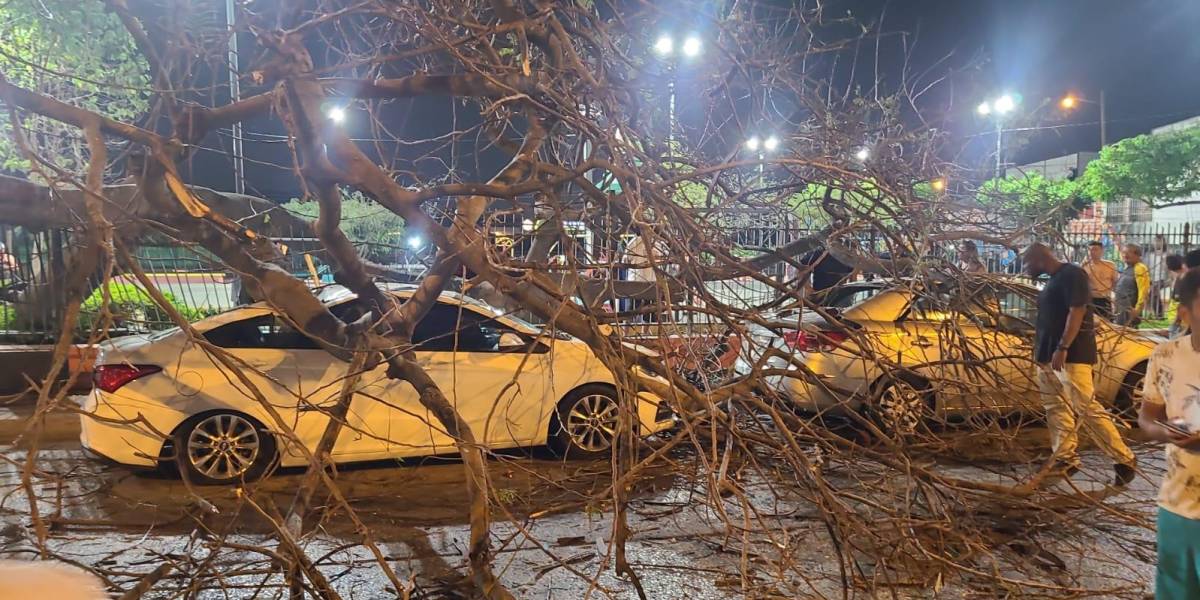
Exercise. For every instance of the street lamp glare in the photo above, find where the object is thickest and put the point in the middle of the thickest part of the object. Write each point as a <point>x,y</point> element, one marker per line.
<point>691,46</point>
<point>862,154</point>
<point>336,114</point>
<point>414,242</point>
<point>984,109</point>
<point>938,184</point>
<point>771,143</point>
<point>752,143</point>
<point>664,45</point>
<point>1005,104</point>
<point>1068,102</point>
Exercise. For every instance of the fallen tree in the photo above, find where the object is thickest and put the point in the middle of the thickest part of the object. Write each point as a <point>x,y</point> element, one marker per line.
<point>560,97</point>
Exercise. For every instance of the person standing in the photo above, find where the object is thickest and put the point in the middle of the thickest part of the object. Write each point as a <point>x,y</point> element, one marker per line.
<point>1175,273</point>
<point>1172,397</point>
<point>1132,288</point>
<point>825,271</point>
<point>968,258</point>
<point>1065,350</point>
<point>1102,277</point>
<point>1156,263</point>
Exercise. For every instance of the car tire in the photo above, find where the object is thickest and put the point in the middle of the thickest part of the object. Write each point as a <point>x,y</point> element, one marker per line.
<point>1129,396</point>
<point>222,448</point>
<point>584,422</point>
<point>902,405</point>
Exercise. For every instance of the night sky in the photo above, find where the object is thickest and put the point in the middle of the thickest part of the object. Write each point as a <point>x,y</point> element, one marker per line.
<point>1145,55</point>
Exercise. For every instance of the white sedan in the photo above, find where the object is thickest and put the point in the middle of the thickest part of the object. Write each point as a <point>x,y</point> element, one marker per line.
<point>163,396</point>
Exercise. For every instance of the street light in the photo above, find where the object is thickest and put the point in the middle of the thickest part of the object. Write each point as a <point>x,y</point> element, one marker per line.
<point>938,184</point>
<point>1004,104</point>
<point>997,109</point>
<point>762,147</point>
<point>414,242</point>
<point>1071,101</point>
<point>665,45</point>
<point>691,46</point>
<point>336,114</point>
<point>862,154</point>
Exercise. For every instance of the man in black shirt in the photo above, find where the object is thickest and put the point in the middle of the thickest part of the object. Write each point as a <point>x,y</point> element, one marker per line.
<point>1065,350</point>
<point>827,270</point>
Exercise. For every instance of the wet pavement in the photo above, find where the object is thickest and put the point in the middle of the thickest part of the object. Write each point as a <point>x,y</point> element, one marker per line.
<point>552,532</point>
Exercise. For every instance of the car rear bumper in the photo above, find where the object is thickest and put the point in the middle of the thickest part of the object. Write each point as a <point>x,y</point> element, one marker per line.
<point>113,432</point>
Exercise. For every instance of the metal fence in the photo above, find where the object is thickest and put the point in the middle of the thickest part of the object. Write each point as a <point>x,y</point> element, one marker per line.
<point>33,265</point>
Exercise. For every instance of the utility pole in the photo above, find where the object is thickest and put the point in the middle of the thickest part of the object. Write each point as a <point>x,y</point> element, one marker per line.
<point>235,94</point>
<point>999,149</point>
<point>1103,122</point>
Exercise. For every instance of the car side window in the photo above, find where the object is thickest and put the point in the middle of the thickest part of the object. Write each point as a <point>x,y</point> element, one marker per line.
<point>445,323</point>
<point>1018,311</point>
<point>265,331</point>
<point>851,297</point>
<point>931,308</point>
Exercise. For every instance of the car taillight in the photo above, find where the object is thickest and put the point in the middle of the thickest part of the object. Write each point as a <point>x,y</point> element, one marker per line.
<point>110,378</point>
<point>804,341</point>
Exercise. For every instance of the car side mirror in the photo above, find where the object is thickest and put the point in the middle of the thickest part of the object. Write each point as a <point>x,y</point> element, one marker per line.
<point>511,341</point>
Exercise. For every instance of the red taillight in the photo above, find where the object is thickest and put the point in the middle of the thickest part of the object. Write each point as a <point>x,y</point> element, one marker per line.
<point>804,341</point>
<point>110,378</point>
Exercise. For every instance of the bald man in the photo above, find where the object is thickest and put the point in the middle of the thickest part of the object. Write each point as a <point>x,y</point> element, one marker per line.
<point>1065,349</point>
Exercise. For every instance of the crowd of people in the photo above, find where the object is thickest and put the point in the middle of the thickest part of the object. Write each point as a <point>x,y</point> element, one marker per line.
<point>1065,352</point>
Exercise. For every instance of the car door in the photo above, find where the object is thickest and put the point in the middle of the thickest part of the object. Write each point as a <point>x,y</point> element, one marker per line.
<point>493,375</point>
<point>302,382</point>
<point>1014,332</point>
<point>938,344</point>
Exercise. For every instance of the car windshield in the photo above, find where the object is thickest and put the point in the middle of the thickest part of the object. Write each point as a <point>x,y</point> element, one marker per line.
<point>848,296</point>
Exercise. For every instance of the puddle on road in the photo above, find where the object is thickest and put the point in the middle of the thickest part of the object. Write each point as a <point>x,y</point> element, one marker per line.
<point>385,495</point>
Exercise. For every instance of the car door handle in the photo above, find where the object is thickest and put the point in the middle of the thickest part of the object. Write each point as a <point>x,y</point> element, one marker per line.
<point>923,342</point>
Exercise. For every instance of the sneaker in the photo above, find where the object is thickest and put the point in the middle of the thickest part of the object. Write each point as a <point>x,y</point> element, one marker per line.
<point>1124,473</point>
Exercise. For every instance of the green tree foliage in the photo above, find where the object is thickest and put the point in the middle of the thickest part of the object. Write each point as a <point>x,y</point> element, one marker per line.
<point>76,52</point>
<point>1035,196</point>
<point>377,231</point>
<point>1156,169</point>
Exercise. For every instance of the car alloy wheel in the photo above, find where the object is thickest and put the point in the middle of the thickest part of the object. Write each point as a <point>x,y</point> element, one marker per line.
<point>902,406</point>
<point>591,422</point>
<point>223,446</point>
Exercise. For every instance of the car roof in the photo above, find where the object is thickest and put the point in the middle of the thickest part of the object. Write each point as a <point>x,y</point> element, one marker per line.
<point>337,294</point>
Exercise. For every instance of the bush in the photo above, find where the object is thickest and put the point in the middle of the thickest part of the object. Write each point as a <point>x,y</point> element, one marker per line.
<point>133,308</point>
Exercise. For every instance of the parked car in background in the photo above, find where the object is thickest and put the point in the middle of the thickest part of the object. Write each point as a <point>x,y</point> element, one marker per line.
<point>909,353</point>
<point>158,395</point>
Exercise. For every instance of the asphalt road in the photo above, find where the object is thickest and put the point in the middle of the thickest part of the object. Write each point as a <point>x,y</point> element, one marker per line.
<point>127,523</point>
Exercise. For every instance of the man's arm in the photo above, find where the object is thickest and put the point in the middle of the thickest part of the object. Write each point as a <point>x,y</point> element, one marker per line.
<point>1078,296</point>
<point>1074,322</point>
<point>1142,273</point>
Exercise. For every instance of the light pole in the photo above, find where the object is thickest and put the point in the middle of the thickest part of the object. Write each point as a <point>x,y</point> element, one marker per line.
<point>1071,101</point>
<point>997,109</point>
<point>762,147</point>
<point>665,48</point>
<point>235,94</point>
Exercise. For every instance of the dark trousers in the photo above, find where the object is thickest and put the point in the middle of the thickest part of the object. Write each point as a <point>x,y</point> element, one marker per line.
<point>1103,307</point>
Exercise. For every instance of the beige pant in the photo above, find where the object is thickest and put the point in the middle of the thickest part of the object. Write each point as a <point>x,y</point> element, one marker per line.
<point>1069,397</point>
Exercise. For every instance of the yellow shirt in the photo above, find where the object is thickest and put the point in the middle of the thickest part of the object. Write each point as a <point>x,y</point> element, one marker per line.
<point>1102,276</point>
